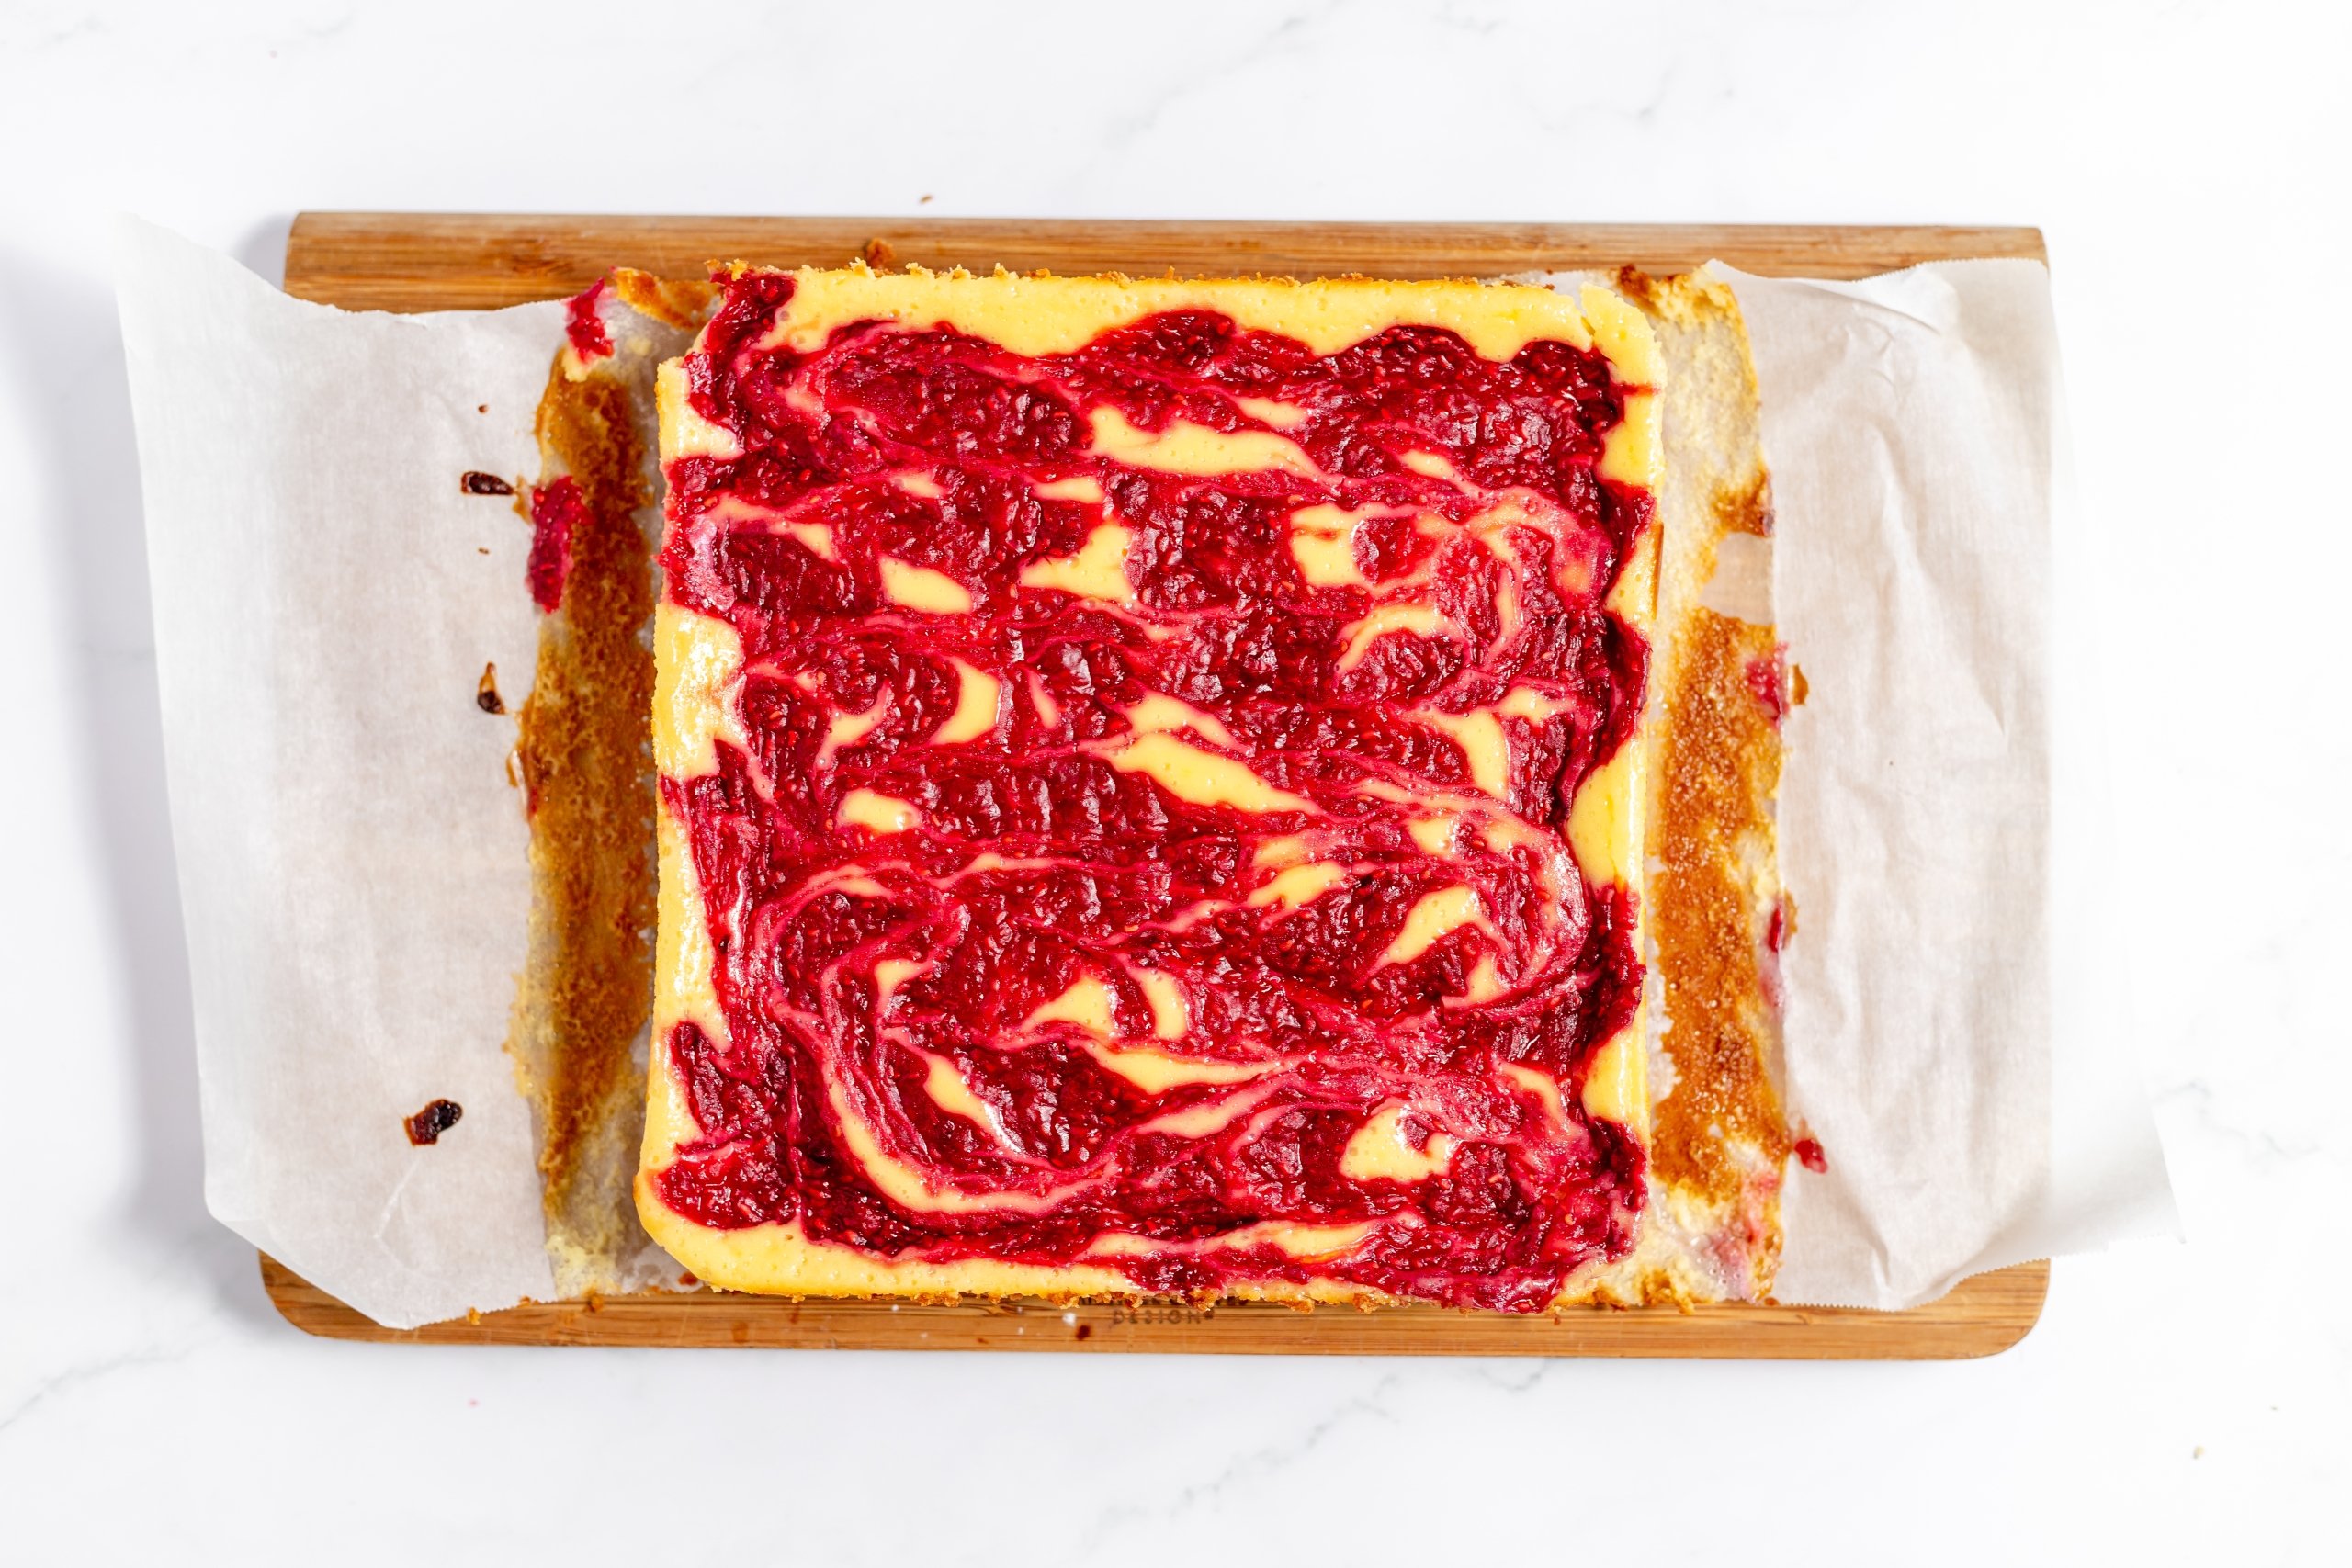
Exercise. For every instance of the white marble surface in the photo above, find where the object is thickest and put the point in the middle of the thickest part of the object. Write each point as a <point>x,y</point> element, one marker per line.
<point>2177,1403</point>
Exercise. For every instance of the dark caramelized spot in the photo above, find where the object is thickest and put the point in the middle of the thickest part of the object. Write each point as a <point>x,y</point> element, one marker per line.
<point>427,1125</point>
<point>1640,288</point>
<point>475,482</point>
<point>1745,509</point>
<point>486,696</point>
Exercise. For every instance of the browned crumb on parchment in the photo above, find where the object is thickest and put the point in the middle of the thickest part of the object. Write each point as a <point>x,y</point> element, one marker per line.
<point>486,696</point>
<point>427,1125</point>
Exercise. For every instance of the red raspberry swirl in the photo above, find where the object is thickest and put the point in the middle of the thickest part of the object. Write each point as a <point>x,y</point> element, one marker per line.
<point>977,984</point>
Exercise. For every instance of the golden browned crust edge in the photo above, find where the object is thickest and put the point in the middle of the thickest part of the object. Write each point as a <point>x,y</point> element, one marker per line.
<point>584,746</point>
<point>1719,1137</point>
<point>677,303</point>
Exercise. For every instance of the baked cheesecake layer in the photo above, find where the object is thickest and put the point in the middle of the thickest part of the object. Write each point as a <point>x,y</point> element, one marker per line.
<point>1151,789</point>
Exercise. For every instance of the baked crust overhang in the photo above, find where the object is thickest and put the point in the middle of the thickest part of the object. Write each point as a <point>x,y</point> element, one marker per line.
<point>1718,915</point>
<point>584,760</point>
<point>1192,758</point>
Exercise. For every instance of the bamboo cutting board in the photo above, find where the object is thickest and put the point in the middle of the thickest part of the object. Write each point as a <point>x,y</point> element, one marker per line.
<point>449,261</point>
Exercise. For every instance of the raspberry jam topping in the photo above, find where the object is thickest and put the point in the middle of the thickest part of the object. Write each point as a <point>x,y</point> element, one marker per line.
<point>556,510</point>
<point>1138,838</point>
<point>584,324</point>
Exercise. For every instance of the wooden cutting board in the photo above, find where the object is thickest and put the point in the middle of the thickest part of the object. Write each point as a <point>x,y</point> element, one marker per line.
<point>375,261</point>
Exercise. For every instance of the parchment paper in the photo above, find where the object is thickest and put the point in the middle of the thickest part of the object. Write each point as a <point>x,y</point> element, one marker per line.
<point>1957,1036</point>
<point>352,861</point>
